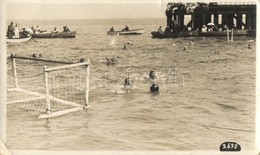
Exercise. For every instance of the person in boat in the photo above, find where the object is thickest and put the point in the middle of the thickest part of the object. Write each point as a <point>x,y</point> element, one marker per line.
<point>167,29</point>
<point>66,29</point>
<point>55,30</point>
<point>16,31</point>
<point>37,30</point>
<point>112,29</point>
<point>24,33</point>
<point>126,28</point>
<point>33,29</point>
<point>160,30</point>
<point>10,30</point>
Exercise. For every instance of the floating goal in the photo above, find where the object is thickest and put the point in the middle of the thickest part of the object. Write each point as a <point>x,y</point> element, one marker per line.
<point>53,88</point>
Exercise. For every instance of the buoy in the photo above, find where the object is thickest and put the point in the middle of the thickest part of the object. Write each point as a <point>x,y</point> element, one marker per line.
<point>154,88</point>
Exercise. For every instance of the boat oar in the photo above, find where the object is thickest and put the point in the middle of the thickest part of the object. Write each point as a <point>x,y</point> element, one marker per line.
<point>33,40</point>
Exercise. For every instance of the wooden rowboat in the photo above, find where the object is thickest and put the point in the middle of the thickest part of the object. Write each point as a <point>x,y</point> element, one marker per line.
<point>223,33</point>
<point>71,34</point>
<point>18,40</point>
<point>130,32</point>
<point>176,34</point>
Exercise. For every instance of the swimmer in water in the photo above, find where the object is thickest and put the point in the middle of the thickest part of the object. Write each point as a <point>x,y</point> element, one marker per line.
<point>111,60</point>
<point>127,82</point>
<point>152,75</point>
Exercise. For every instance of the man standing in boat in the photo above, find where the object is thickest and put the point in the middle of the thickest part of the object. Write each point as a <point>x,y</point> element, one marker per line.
<point>10,30</point>
<point>126,28</point>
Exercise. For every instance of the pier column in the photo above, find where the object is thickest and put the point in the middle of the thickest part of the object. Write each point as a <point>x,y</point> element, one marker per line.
<point>248,21</point>
<point>216,19</point>
<point>208,19</point>
<point>224,19</point>
<point>230,20</point>
<point>253,21</point>
<point>181,21</point>
<point>239,21</point>
<point>192,21</point>
<point>203,19</point>
<point>175,18</point>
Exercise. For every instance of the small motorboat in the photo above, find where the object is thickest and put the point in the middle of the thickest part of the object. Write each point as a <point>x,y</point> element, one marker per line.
<point>129,32</point>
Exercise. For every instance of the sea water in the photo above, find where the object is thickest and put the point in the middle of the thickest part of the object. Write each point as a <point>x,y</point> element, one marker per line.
<point>206,96</point>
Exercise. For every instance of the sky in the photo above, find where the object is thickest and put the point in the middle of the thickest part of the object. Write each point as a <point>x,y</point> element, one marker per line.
<point>64,9</point>
<point>89,9</point>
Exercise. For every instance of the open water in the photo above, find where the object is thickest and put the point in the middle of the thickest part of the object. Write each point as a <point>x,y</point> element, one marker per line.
<point>207,92</point>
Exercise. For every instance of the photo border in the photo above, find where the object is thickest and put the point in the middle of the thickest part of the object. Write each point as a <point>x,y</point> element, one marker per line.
<point>3,94</point>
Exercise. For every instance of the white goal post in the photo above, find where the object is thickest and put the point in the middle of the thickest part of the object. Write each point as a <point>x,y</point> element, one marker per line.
<point>49,86</point>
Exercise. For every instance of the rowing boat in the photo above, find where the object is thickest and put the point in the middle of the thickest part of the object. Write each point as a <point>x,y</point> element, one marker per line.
<point>18,40</point>
<point>224,33</point>
<point>176,34</point>
<point>71,34</point>
<point>130,32</point>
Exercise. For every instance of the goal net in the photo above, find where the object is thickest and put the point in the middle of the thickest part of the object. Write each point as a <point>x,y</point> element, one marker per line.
<point>52,88</point>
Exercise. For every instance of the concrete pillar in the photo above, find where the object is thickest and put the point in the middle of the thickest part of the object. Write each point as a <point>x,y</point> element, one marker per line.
<point>230,21</point>
<point>253,21</point>
<point>239,21</point>
<point>248,21</point>
<point>181,21</point>
<point>208,19</point>
<point>175,17</point>
<point>216,19</point>
<point>224,19</point>
<point>193,21</point>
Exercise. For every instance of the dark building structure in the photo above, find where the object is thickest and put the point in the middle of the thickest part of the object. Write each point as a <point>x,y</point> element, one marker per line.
<point>236,15</point>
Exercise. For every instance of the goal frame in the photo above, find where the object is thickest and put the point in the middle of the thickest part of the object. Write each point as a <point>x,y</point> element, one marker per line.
<point>47,96</point>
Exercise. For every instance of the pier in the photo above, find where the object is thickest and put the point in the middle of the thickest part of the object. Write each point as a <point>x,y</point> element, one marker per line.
<point>209,19</point>
<point>236,15</point>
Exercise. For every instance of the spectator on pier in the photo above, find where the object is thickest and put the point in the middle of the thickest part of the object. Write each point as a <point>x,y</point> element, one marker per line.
<point>224,27</point>
<point>204,28</point>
